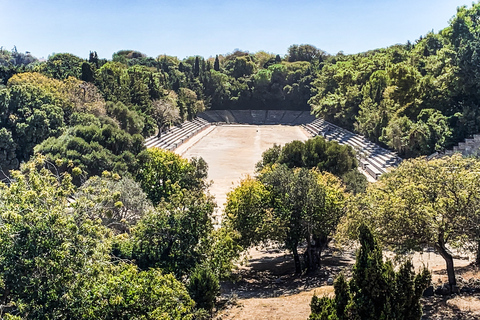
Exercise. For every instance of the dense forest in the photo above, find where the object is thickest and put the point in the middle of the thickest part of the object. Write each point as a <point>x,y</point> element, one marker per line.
<point>95,226</point>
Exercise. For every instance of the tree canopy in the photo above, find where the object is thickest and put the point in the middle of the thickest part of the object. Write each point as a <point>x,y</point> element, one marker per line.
<point>423,203</point>
<point>292,206</point>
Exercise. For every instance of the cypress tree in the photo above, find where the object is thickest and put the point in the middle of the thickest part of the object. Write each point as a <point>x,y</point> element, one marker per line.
<point>93,58</point>
<point>216,65</point>
<point>375,291</point>
<point>87,72</point>
<point>196,67</point>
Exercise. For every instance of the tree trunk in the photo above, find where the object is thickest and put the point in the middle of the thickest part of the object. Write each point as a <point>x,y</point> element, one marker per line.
<point>313,254</point>
<point>477,258</point>
<point>296,259</point>
<point>440,246</point>
<point>309,256</point>
<point>320,245</point>
<point>160,129</point>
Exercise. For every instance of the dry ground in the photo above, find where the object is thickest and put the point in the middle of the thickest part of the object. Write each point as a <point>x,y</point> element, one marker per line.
<point>266,288</point>
<point>232,151</point>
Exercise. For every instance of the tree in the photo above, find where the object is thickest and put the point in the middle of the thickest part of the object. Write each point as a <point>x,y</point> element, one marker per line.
<point>241,67</point>
<point>163,173</point>
<point>247,212</point>
<point>129,120</point>
<point>88,73</point>
<point>424,203</point>
<point>84,96</point>
<point>45,248</point>
<point>8,159</point>
<point>165,113</point>
<point>32,108</point>
<point>174,236</point>
<point>308,205</point>
<point>196,67</point>
<point>93,58</point>
<point>119,202</point>
<point>62,65</point>
<point>204,287</point>
<point>318,153</point>
<point>94,149</point>
<point>122,291</point>
<point>55,261</point>
<point>305,52</point>
<point>292,206</point>
<point>375,291</point>
<point>216,64</point>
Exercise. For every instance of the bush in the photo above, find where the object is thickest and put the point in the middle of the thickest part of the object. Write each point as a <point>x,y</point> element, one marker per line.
<point>204,288</point>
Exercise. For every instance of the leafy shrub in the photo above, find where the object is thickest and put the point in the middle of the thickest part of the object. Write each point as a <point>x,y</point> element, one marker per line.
<point>204,287</point>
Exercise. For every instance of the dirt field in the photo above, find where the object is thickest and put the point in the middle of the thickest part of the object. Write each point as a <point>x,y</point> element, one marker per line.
<point>232,151</point>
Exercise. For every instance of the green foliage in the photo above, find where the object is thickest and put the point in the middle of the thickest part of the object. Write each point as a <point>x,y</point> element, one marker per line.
<point>165,113</point>
<point>124,292</point>
<point>355,181</point>
<point>54,255</point>
<point>305,52</point>
<point>415,98</point>
<point>308,206</point>
<point>292,206</point>
<point>423,203</point>
<point>118,202</point>
<point>322,309</point>
<point>173,237</point>
<point>8,159</point>
<point>31,111</point>
<point>204,288</point>
<point>94,149</point>
<point>313,153</point>
<point>375,291</point>
<point>247,212</point>
<point>13,62</point>
<point>129,120</point>
<point>44,248</point>
<point>320,154</point>
<point>163,173</point>
<point>62,65</point>
<point>223,251</point>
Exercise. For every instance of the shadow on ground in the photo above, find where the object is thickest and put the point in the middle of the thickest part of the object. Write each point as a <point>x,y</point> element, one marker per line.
<point>272,274</point>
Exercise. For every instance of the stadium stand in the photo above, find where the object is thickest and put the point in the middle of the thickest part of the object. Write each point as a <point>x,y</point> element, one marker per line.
<point>470,147</point>
<point>177,135</point>
<point>373,159</point>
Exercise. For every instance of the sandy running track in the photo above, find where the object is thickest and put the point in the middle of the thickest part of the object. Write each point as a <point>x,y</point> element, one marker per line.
<point>232,151</point>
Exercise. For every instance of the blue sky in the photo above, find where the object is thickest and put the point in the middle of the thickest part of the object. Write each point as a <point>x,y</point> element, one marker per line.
<point>185,28</point>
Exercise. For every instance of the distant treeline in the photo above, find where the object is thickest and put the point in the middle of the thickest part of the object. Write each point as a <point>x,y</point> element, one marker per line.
<point>415,98</point>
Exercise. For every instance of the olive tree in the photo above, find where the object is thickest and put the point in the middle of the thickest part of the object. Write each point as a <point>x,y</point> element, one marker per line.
<point>424,203</point>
